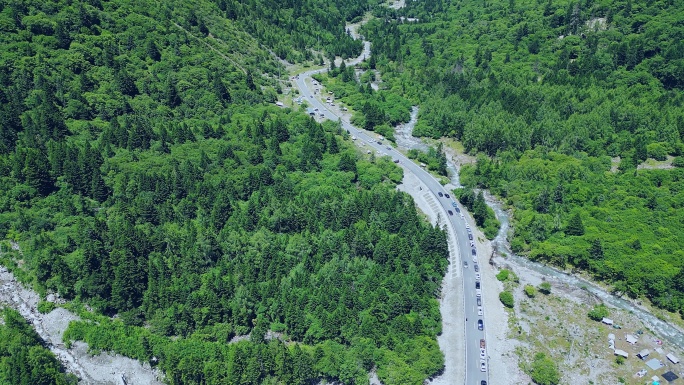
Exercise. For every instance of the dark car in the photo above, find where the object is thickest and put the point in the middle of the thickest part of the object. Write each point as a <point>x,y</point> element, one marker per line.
<point>483,382</point>
<point>379,142</point>
<point>470,236</point>
<point>477,267</point>
<point>440,194</point>
<point>473,252</point>
<point>480,325</point>
<point>457,209</point>
<point>450,212</point>
<point>447,196</point>
<point>479,301</point>
<point>477,285</point>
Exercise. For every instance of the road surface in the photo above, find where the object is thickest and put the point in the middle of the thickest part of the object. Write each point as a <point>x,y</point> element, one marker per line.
<point>462,252</point>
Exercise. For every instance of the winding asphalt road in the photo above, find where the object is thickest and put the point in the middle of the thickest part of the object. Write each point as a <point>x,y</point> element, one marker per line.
<point>463,250</point>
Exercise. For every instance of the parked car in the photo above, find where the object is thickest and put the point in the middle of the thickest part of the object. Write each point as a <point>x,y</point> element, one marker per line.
<point>483,366</point>
<point>479,301</point>
<point>479,310</point>
<point>483,354</point>
<point>473,251</point>
<point>477,276</point>
<point>477,267</point>
<point>482,343</point>
<point>440,194</point>
<point>480,325</point>
<point>447,196</point>
<point>457,209</point>
<point>470,236</point>
<point>465,263</point>
<point>450,212</point>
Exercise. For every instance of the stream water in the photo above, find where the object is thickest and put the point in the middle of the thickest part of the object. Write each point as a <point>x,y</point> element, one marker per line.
<point>667,331</point>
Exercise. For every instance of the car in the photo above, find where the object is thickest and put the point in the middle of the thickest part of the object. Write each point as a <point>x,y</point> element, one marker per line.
<point>440,194</point>
<point>468,227</point>
<point>479,310</point>
<point>379,142</point>
<point>480,325</point>
<point>483,354</point>
<point>389,148</point>
<point>470,236</point>
<point>483,382</point>
<point>479,301</point>
<point>472,243</point>
<point>450,212</point>
<point>465,263</point>
<point>482,343</point>
<point>396,161</point>
<point>477,285</point>
<point>473,252</point>
<point>483,366</point>
<point>447,196</point>
<point>477,267</point>
<point>462,217</point>
<point>478,276</point>
<point>457,209</point>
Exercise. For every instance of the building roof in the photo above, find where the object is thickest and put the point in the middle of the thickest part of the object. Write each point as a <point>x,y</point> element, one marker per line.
<point>644,353</point>
<point>669,376</point>
<point>607,321</point>
<point>631,339</point>
<point>622,353</point>
<point>672,358</point>
<point>654,364</point>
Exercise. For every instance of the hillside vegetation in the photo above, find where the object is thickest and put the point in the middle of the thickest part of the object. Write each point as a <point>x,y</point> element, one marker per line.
<point>563,99</point>
<point>145,172</point>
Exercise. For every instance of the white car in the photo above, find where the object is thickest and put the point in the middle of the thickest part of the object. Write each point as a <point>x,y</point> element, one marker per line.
<point>467,226</point>
<point>483,355</point>
<point>462,217</point>
<point>483,366</point>
<point>477,276</point>
<point>479,311</point>
<point>472,243</point>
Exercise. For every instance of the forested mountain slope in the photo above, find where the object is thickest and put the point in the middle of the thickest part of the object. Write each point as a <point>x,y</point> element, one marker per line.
<point>143,174</point>
<point>565,98</point>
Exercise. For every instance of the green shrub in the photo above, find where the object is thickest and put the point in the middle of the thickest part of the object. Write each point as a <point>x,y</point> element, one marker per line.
<point>506,298</point>
<point>530,291</point>
<point>598,312</point>
<point>503,275</point>
<point>545,288</point>
<point>45,307</point>
<point>544,370</point>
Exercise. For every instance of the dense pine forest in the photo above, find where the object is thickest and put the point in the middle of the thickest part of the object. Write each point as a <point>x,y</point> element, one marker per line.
<point>146,174</point>
<point>566,102</point>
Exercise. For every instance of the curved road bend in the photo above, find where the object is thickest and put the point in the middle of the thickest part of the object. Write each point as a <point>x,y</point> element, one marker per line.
<point>474,374</point>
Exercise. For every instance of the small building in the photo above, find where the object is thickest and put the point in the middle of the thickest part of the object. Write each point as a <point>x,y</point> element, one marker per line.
<point>621,353</point>
<point>631,339</point>
<point>670,376</point>
<point>279,104</point>
<point>654,364</point>
<point>611,337</point>
<point>643,354</point>
<point>607,321</point>
<point>672,358</point>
